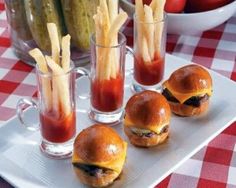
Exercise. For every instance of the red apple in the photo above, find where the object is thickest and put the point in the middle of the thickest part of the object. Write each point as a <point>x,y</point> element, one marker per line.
<point>204,5</point>
<point>175,6</point>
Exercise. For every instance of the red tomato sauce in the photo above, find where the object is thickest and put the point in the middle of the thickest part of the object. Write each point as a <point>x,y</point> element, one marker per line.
<point>149,73</point>
<point>107,95</point>
<point>58,129</point>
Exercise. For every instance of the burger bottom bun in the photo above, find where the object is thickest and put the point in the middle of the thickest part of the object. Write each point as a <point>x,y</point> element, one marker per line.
<point>187,110</point>
<point>146,141</point>
<point>94,181</point>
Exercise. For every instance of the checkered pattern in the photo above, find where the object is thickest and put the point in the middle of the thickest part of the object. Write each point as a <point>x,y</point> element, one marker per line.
<point>214,166</point>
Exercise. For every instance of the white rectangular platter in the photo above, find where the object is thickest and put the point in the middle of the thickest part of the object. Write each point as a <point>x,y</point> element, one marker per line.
<point>23,165</point>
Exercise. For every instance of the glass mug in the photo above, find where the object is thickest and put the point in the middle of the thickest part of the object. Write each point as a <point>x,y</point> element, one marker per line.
<point>107,81</point>
<point>57,112</point>
<point>149,54</point>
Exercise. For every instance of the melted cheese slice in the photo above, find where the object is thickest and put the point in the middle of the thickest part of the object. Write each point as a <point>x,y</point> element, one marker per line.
<point>154,128</point>
<point>116,165</point>
<point>182,97</point>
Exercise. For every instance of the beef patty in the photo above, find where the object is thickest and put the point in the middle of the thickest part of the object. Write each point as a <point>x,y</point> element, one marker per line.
<point>195,101</point>
<point>92,170</point>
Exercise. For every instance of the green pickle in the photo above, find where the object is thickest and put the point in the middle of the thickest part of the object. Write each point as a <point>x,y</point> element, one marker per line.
<point>78,15</point>
<point>28,20</point>
<point>39,13</point>
<point>17,19</point>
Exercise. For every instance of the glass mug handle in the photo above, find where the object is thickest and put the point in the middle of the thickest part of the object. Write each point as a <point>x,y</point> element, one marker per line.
<point>130,51</point>
<point>83,73</point>
<point>22,103</point>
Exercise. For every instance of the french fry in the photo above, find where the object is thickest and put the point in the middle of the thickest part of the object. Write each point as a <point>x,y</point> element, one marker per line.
<point>98,41</point>
<point>56,69</point>
<point>55,50</point>
<point>102,29</point>
<point>55,97</point>
<point>154,5</point>
<point>46,84</point>
<point>61,84</point>
<point>116,25</point>
<point>158,37</point>
<point>55,43</point>
<point>105,16</point>
<point>146,57</point>
<point>65,61</point>
<point>65,45</point>
<point>159,16</point>
<point>40,60</point>
<point>98,33</point>
<point>113,62</point>
<point>148,18</point>
<point>112,37</point>
<point>159,11</point>
<point>113,12</point>
<point>113,9</point>
<point>139,13</point>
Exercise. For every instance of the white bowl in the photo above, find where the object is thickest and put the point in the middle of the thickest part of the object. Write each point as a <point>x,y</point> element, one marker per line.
<point>192,23</point>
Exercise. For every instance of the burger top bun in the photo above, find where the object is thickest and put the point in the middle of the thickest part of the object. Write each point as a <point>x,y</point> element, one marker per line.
<point>99,144</point>
<point>189,79</point>
<point>147,110</point>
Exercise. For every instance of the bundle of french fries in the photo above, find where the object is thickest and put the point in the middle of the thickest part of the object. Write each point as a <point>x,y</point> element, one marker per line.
<point>149,33</point>
<point>55,89</point>
<point>107,25</point>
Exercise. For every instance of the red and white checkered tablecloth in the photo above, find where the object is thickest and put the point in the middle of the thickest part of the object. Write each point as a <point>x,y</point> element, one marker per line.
<point>214,166</point>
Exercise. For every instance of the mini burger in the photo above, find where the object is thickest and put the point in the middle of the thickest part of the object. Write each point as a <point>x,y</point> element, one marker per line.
<point>188,90</point>
<point>99,155</point>
<point>147,118</point>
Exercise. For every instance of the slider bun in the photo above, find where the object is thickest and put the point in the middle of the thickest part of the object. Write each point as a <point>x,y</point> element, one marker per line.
<point>93,181</point>
<point>145,141</point>
<point>187,110</point>
<point>190,79</point>
<point>147,109</point>
<point>98,144</point>
<point>186,82</point>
